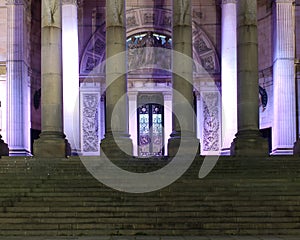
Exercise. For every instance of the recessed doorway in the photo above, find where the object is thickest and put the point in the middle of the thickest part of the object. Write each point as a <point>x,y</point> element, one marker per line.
<point>150,125</point>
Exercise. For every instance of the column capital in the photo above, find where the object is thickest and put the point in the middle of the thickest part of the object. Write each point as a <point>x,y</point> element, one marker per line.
<point>16,2</point>
<point>228,1</point>
<point>284,1</point>
<point>69,2</point>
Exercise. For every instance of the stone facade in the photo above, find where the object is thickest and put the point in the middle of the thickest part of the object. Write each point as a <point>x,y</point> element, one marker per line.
<point>141,17</point>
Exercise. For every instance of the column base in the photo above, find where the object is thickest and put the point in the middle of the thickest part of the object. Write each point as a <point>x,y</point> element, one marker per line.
<point>117,146</point>
<point>282,151</point>
<point>51,144</point>
<point>19,152</point>
<point>183,144</point>
<point>225,152</point>
<point>249,143</point>
<point>4,150</point>
<point>296,149</point>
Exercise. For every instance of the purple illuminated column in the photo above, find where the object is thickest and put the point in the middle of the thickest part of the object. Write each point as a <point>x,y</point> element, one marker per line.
<point>284,120</point>
<point>297,72</point>
<point>229,74</point>
<point>70,73</point>
<point>18,82</point>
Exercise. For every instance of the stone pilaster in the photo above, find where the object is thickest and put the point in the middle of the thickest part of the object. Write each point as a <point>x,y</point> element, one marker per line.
<point>133,122</point>
<point>248,141</point>
<point>183,124</point>
<point>297,74</point>
<point>228,74</point>
<point>52,142</point>
<point>18,84</point>
<point>70,74</point>
<point>167,118</point>
<point>284,120</point>
<point>117,140</point>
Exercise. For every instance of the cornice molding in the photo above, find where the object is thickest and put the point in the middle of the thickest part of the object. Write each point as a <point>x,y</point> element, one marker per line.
<point>284,1</point>
<point>228,1</point>
<point>16,2</point>
<point>69,2</point>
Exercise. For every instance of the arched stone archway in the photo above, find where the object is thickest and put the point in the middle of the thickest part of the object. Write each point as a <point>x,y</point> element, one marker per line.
<point>158,21</point>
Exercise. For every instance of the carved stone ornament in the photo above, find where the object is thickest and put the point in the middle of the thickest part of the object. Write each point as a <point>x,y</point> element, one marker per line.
<point>149,18</point>
<point>166,21</point>
<point>208,63</point>
<point>90,124</point>
<point>117,10</point>
<point>99,47</point>
<point>131,21</point>
<point>182,15</point>
<point>91,63</point>
<point>211,124</point>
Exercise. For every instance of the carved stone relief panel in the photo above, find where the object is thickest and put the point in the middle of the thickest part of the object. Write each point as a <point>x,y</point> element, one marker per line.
<point>93,56</point>
<point>211,122</point>
<point>132,20</point>
<point>166,20</point>
<point>90,123</point>
<point>149,18</point>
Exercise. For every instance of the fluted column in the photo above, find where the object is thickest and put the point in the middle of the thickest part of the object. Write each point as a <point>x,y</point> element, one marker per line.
<point>52,142</point>
<point>228,74</point>
<point>183,124</point>
<point>18,86</point>
<point>116,136</point>
<point>248,141</point>
<point>284,120</point>
<point>70,73</point>
<point>297,73</point>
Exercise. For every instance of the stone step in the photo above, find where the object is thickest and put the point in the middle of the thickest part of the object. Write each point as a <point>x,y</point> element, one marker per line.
<point>148,220</point>
<point>149,208</point>
<point>139,227</point>
<point>165,203</point>
<point>161,214</point>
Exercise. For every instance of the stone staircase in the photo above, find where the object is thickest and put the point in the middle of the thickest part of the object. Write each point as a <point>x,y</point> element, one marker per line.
<point>60,197</point>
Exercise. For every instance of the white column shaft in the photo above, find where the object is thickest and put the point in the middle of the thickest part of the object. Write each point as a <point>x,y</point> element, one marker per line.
<point>18,105</point>
<point>229,74</point>
<point>133,122</point>
<point>284,125</point>
<point>70,73</point>
<point>167,119</point>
